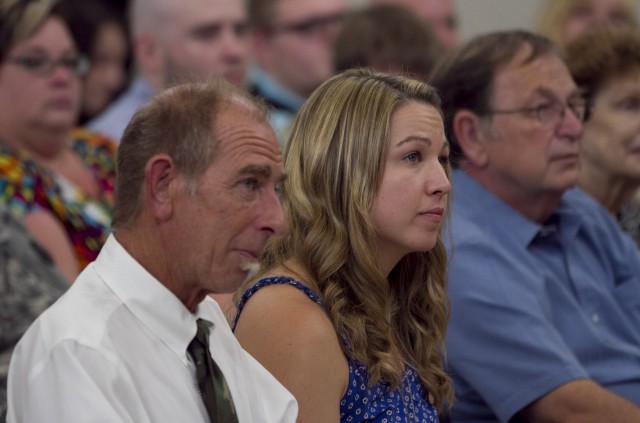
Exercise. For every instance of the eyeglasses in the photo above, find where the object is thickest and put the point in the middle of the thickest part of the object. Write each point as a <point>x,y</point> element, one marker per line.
<point>309,27</point>
<point>44,66</point>
<point>550,112</point>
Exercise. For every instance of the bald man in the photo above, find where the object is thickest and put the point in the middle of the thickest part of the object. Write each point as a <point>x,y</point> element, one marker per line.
<point>174,39</point>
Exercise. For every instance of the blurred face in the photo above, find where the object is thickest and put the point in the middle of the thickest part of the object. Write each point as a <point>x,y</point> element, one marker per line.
<point>611,141</point>
<point>235,209</point>
<point>532,152</point>
<point>205,38</point>
<point>441,14</point>
<point>34,95</point>
<point>298,49</point>
<point>107,74</point>
<point>411,201</point>
<point>594,14</point>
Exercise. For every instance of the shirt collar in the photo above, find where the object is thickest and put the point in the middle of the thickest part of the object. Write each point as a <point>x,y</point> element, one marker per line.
<point>271,90</point>
<point>146,298</point>
<point>499,217</point>
<point>504,219</point>
<point>571,219</point>
<point>141,88</point>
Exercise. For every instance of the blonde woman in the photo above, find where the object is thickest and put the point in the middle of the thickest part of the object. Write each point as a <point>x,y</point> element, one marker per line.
<point>349,309</point>
<point>564,20</point>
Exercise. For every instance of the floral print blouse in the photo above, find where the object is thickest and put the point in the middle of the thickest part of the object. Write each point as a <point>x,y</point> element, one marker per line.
<point>26,186</point>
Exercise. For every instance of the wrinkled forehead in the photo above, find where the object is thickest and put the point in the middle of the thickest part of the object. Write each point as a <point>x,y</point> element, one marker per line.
<point>526,75</point>
<point>238,120</point>
<point>236,103</point>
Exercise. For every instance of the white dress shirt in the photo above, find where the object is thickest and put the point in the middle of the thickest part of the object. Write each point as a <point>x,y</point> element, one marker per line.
<point>114,349</point>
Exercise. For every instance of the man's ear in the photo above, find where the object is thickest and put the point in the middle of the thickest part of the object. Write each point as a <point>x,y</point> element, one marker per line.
<point>471,137</point>
<point>149,56</point>
<point>259,44</point>
<point>161,181</point>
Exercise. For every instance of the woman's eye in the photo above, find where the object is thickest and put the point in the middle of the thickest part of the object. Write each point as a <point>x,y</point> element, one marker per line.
<point>444,160</point>
<point>629,104</point>
<point>412,157</point>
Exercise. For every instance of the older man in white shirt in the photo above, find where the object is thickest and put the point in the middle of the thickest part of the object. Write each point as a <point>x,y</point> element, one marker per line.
<point>196,201</point>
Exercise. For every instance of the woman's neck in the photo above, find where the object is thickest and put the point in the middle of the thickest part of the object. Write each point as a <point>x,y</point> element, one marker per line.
<point>611,191</point>
<point>43,145</point>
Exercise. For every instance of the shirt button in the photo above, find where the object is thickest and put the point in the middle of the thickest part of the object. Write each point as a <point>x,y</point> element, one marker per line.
<point>595,317</point>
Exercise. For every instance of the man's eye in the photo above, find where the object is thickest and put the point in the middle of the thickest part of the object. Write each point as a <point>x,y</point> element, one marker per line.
<point>208,33</point>
<point>543,108</point>
<point>251,183</point>
<point>241,30</point>
<point>545,111</point>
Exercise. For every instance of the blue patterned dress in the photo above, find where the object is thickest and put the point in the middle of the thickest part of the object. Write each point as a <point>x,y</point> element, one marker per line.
<point>378,403</point>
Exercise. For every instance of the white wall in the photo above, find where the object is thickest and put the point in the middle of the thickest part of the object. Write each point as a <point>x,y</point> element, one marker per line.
<point>479,16</point>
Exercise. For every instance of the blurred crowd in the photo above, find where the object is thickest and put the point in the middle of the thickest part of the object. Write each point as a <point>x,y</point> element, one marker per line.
<point>74,73</point>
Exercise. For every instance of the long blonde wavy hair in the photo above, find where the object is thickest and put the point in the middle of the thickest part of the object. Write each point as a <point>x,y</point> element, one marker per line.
<point>334,163</point>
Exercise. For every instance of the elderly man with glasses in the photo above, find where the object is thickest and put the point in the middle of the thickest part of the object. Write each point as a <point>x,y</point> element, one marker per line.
<point>544,286</point>
<point>293,52</point>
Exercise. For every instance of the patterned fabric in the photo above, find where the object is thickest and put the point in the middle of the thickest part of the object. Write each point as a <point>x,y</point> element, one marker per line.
<point>377,403</point>
<point>629,219</point>
<point>26,186</point>
<point>29,283</point>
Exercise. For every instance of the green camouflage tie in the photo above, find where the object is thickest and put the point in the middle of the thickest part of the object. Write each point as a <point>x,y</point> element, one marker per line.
<point>213,387</point>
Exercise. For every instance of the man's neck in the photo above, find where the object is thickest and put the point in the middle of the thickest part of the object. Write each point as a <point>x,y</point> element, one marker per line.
<point>536,206</point>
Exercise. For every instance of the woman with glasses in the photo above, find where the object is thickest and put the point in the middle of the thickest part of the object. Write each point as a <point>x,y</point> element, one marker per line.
<point>606,67</point>
<point>58,179</point>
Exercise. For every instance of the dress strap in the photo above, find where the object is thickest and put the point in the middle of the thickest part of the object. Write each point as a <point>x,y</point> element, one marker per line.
<point>277,280</point>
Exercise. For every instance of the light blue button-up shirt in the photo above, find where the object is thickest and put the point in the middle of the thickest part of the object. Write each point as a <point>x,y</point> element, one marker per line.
<point>113,121</point>
<point>536,307</point>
